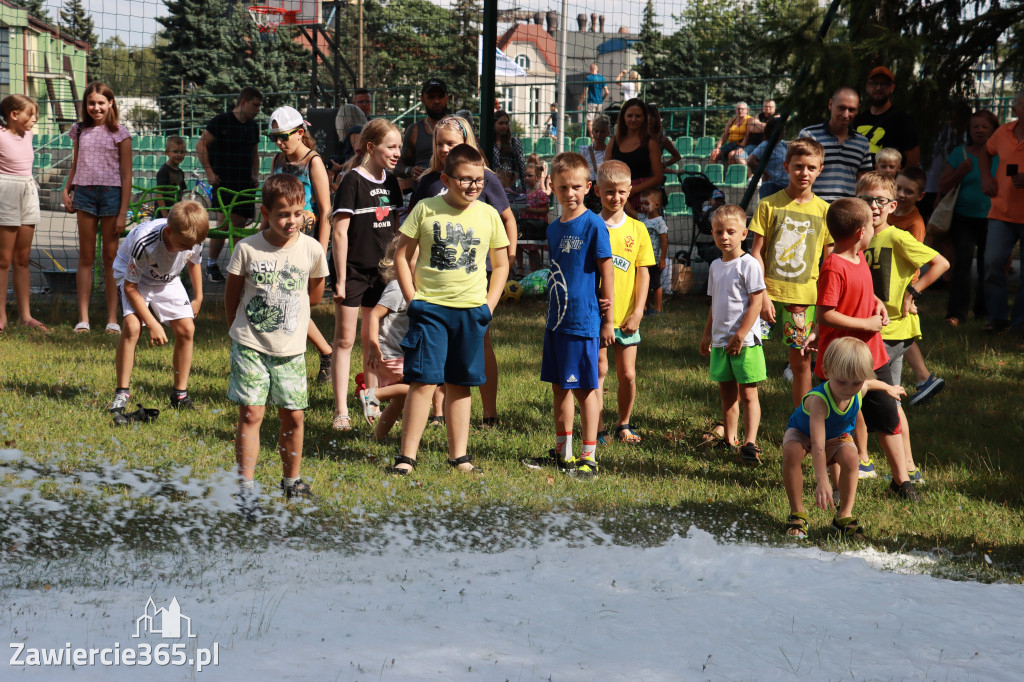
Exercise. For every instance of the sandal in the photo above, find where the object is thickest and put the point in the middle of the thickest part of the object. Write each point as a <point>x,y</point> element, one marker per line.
<point>602,437</point>
<point>401,459</point>
<point>796,525</point>
<point>714,433</point>
<point>751,454</point>
<point>624,434</point>
<point>82,328</point>
<point>341,422</point>
<point>848,528</point>
<point>465,459</point>
<point>435,421</point>
<point>371,406</point>
<point>143,414</point>
<point>113,328</point>
<point>953,321</point>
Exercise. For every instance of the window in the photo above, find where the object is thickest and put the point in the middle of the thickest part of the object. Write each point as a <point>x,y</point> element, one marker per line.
<point>523,61</point>
<point>507,99</point>
<point>5,60</point>
<point>534,106</point>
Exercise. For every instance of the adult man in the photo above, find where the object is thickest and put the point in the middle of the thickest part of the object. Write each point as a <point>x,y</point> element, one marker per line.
<point>847,152</point>
<point>228,151</point>
<point>885,125</point>
<point>1005,216</point>
<point>756,126</point>
<point>361,98</point>
<point>592,97</point>
<point>418,141</point>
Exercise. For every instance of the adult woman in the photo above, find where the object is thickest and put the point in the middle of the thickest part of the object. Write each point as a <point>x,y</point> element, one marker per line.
<point>634,146</point>
<point>730,146</point>
<point>658,133</point>
<point>507,154</point>
<point>970,215</point>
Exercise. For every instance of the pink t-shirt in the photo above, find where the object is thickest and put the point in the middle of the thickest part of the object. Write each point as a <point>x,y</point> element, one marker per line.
<point>15,153</point>
<point>99,162</point>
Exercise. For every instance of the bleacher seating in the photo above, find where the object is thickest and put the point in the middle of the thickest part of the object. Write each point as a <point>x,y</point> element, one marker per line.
<point>581,142</point>
<point>715,173</point>
<point>676,205</point>
<point>736,175</point>
<point>527,145</point>
<point>703,147</point>
<point>544,147</point>
<point>684,145</point>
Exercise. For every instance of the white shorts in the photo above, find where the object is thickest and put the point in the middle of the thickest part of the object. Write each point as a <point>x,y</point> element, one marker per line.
<point>168,301</point>
<point>19,201</point>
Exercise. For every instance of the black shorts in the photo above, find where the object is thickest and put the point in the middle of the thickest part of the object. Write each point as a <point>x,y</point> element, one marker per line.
<point>362,287</point>
<point>655,277</point>
<point>880,413</point>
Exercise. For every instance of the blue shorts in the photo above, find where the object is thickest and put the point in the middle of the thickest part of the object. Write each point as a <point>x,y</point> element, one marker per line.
<point>445,345</point>
<point>99,200</point>
<point>569,361</point>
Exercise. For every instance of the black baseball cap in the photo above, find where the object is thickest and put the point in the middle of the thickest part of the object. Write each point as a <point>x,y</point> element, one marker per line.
<point>434,84</point>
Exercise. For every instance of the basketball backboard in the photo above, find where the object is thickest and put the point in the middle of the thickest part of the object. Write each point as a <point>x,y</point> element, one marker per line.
<point>296,11</point>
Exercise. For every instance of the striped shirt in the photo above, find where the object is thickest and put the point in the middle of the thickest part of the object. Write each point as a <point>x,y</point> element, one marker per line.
<point>843,161</point>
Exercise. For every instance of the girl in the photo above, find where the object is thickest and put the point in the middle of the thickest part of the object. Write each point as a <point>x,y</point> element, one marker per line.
<point>508,150</point>
<point>601,127</point>
<point>634,146</point>
<point>19,202</point>
<point>98,188</point>
<point>450,132</point>
<point>298,157</point>
<point>365,219</point>
<point>664,141</point>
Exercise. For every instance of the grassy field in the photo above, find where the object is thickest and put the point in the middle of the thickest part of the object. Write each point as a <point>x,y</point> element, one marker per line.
<point>70,473</point>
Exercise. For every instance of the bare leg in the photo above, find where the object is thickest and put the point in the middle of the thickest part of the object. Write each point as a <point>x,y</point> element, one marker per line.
<point>247,439</point>
<point>625,370</point>
<point>860,437</point>
<point>438,401</point>
<point>751,411</point>
<point>800,363</point>
<point>602,374</point>
<point>289,441</point>
<point>564,410</point>
<point>345,321</point>
<point>848,474</point>
<point>124,358</point>
<point>369,374</point>
<point>916,361</point>
<point>489,391</point>
<point>892,446</point>
<point>111,240</point>
<point>414,419</point>
<point>184,332</point>
<point>793,476</point>
<point>657,299</point>
<point>392,412</point>
<point>318,340</point>
<point>905,428</point>
<point>22,277</point>
<point>730,409</point>
<point>457,404</point>
<point>87,226</point>
<point>590,412</point>
<point>8,238</point>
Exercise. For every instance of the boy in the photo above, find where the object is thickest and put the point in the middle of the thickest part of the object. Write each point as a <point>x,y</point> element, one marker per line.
<point>732,335</point>
<point>632,255</point>
<point>576,325</point>
<point>895,256</point>
<point>450,302</point>
<point>170,174</point>
<point>657,232</point>
<point>789,240</point>
<point>847,306</point>
<point>273,278</point>
<point>888,161</point>
<point>146,270</point>
<point>910,186</point>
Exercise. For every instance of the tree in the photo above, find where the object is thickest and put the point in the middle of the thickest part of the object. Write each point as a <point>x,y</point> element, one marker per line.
<point>273,62</point>
<point>651,45</point>
<point>127,70</point>
<point>78,23</point>
<point>35,8</point>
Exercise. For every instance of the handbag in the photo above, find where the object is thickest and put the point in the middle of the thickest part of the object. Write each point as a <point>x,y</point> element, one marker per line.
<point>942,217</point>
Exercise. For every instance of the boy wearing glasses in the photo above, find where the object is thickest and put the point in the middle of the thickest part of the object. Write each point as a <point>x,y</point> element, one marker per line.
<point>450,302</point>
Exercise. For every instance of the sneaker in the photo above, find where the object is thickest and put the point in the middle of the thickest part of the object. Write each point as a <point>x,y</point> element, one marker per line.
<point>549,460</point>
<point>904,491</point>
<point>866,470</point>
<point>297,489</point>
<point>213,273</point>
<point>915,477</point>
<point>182,403</point>
<point>119,402</point>
<point>584,469</point>
<point>927,389</point>
<point>324,375</point>
<point>787,373</point>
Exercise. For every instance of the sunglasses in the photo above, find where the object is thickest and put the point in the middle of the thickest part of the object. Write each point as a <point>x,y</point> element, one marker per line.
<point>282,137</point>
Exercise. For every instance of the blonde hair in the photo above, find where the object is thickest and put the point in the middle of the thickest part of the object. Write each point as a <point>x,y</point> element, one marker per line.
<point>373,133</point>
<point>614,172</point>
<point>13,103</point>
<point>888,155</point>
<point>190,221</point>
<point>386,265</point>
<point>729,212</point>
<point>848,358</point>
<point>879,180</point>
<point>461,126</point>
<point>805,146</point>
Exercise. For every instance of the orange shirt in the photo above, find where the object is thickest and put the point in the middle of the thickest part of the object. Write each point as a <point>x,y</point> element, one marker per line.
<point>1008,203</point>
<point>911,222</point>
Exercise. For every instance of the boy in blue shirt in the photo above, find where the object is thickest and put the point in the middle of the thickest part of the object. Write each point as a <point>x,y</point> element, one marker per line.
<point>576,326</point>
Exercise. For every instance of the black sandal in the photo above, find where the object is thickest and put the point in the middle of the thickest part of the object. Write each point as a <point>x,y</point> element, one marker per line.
<point>401,459</point>
<point>848,528</point>
<point>796,525</point>
<point>465,459</point>
<point>435,421</point>
<point>143,414</point>
<point>751,454</point>
<point>489,423</point>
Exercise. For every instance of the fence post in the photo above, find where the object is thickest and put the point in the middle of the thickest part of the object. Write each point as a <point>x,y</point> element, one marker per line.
<point>487,66</point>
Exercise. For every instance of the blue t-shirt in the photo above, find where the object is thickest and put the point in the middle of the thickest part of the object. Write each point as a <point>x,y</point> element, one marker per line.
<point>595,88</point>
<point>575,248</point>
<point>971,203</point>
<point>836,423</point>
<point>774,169</point>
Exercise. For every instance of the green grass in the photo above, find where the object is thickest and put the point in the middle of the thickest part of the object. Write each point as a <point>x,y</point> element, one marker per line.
<point>54,390</point>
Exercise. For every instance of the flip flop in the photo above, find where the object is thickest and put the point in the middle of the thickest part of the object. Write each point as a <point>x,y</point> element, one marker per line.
<point>82,328</point>
<point>371,409</point>
<point>113,328</point>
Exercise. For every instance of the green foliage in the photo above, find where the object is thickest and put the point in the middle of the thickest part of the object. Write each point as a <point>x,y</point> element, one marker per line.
<point>127,70</point>
<point>35,8</point>
<point>78,23</point>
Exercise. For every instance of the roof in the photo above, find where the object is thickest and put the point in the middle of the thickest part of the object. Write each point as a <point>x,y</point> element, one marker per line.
<point>532,33</point>
<point>41,25</point>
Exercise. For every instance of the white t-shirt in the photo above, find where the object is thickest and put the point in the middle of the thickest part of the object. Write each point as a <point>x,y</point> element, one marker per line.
<point>730,285</point>
<point>395,324</point>
<point>273,314</point>
<point>143,257</point>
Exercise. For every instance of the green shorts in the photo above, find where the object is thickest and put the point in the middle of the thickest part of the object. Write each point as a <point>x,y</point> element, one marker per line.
<point>255,376</point>
<point>795,326</point>
<point>623,340</point>
<point>746,368</point>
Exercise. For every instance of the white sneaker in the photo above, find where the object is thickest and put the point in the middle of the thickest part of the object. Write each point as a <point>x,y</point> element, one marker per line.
<point>120,402</point>
<point>787,373</point>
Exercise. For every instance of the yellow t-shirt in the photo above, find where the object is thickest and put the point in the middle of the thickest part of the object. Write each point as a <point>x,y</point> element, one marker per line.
<point>451,268</point>
<point>795,236</point>
<point>631,249</point>
<point>894,256</point>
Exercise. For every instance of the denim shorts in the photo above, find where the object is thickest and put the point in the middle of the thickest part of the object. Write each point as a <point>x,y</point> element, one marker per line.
<point>99,200</point>
<point>445,345</point>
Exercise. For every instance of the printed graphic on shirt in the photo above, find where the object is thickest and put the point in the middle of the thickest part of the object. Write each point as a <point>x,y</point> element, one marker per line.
<point>788,256</point>
<point>558,293</point>
<point>444,253</point>
<point>381,211</point>
<point>875,134</point>
<point>279,308</point>
<point>881,270</point>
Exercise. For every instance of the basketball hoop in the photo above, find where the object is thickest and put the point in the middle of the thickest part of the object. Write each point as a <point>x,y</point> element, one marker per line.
<point>268,19</point>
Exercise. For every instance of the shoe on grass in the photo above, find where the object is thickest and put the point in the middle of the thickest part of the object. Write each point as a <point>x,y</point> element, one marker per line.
<point>847,528</point>
<point>751,454</point>
<point>213,273</point>
<point>297,489</point>
<point>119,402</point>
<point>904,491</point>
<point>866,470</point>
<point>585,468</point>
<point>915,477</point>
<point>182,403</point>
<point>549,460</point>
<point>787,373</point>
<point>324,375</point>
<point>927,389</point>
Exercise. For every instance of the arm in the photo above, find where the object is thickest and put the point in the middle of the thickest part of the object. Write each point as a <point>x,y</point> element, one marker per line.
<point>256,164</point>
<point>322,194</point>
<point>749,320</point>
<point>912,157</point>
<point>404,266</point>
<point>203,152</point>
<point>124,152</point>
<point>607,272</point>
<point>374,357</point>
<point>65,195</point>
<point>233,296</point>
<point>508,218</point>
<point>835,319</point>
<point>404,167</point>
<point>725,136</point>
<point>499,275</point>
<point>823,490</point>
<point>663,241</point>
<point>157,336</point>
<point>195,275</point>
<point>757,251</point>
<point>705,338</point>
<point>316,290</point>
<point>951,177</point>
<point>668,146</point>
<point>340,237</point>
<point>894,392</point>
<point>641,284</point>
<point>937,266</point>
<point>988,181</point>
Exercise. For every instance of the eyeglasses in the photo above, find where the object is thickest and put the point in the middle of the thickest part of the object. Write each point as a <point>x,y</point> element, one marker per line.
<point>468,183</point>
<point>876,201</point>
<point>282,137</point>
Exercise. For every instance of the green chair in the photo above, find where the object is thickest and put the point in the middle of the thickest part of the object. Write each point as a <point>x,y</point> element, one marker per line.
<point>267,146</point>
<point>545,147</point>
<point>736,175</point>
<point>684,145</point>
<point>677,205</point>
<point>691,168</point>
<point>63,142</point>
<point>42,140</point>
<point>582,142</point>
<point>674,186</point>
<point>703,148</point>
<point>189,164</point>
<point>151,163</point>
<point>715,173</point>
<point>527,143</point>
<point>266,165</point>
<point>136,162</point>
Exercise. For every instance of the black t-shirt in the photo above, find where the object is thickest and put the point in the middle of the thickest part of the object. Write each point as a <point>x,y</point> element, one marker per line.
<point>894,128</point>
<point>174,177</point>
<point>373,207</point>
<point>430,185</point>
<point>231,154</point>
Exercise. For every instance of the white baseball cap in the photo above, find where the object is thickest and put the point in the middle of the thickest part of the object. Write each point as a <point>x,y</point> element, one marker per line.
<point>286,118</point>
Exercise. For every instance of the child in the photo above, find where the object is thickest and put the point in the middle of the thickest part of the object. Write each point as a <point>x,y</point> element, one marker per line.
<point>386,326</point>
<point>273,278</point>
<point>170,174</point>
<point>732,335</point>
<point>580,253</point>
<point>538,201</point>
<point>821,425</point>
<point>714,202</point>
<point>450,302</point>
<point>847,306</point>
<point>365,219</point>
<point>19,202</point>
<point>601,128</point>
<point>789,240</point>
<point>894,256</point>
<point>552,123</point>
<point>657,232</point>
<point>888,161</point>
<point>632,255</point>
<point>298,157</point>
<point>910,185</point>
<point>98,188</point>
<point>147,270</point>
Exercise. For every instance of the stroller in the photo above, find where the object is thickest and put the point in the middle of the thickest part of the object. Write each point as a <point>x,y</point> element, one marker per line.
<point>697,189</point>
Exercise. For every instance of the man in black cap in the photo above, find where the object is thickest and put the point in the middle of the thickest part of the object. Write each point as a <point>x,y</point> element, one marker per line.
<point>418,141</point>
<point>885,125</point>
